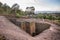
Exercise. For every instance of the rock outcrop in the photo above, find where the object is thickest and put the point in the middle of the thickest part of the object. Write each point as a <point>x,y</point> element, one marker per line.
<point>11,31</point>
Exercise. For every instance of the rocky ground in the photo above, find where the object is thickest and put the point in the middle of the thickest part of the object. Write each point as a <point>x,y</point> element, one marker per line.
<point>12,32</point>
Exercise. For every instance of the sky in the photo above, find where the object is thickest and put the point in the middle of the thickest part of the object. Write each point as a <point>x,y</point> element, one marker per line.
<point>40,5</point>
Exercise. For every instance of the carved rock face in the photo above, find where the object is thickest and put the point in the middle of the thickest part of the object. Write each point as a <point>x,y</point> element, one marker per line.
<point>31,27</point>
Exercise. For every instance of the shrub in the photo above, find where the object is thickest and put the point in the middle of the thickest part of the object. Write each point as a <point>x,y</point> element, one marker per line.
<point>17,15</point>
<point>2,37</point>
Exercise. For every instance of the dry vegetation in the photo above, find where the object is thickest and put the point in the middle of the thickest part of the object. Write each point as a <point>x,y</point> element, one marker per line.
<point>2,37</point>
<point>57,22</point>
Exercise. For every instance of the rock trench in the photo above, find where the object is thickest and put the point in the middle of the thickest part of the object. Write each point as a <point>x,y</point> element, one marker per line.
<point>39,27</point>
<point>12,32</point>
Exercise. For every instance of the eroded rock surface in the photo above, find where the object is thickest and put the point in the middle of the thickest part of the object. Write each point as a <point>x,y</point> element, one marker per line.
<point>11,31</point>
<point>48,35</point>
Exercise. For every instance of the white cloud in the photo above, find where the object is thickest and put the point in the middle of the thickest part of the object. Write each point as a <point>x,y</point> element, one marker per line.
<point>39,5</point>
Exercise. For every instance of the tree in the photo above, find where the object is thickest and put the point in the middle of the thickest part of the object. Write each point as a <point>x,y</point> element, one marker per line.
<point>15,8</point>
<point>6,8</point>
<point>1,4</point>
<point>1,7</point>
<point>30,10</point>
